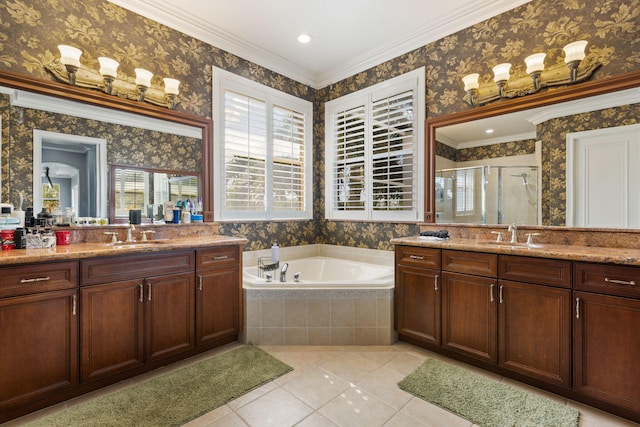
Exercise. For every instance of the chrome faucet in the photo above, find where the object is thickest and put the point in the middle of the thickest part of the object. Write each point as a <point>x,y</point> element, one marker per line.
<point>513,229</point>
<point>130,231</point>
<point>283,272</point>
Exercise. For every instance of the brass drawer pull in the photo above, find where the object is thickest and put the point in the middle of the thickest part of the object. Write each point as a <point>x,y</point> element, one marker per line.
<point>37,279</point>
<point>620,282</point>
<point>220,257</point>
<point>416,257</point>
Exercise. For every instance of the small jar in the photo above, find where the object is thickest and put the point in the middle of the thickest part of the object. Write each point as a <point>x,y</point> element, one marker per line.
<point>20,238</point>
<point>8,242</point>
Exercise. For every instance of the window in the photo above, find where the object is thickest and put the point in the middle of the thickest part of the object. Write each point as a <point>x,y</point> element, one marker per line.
<point>465,190</point>
<point>373,140</point>
<point>51,197</point>
<point>263,151</point>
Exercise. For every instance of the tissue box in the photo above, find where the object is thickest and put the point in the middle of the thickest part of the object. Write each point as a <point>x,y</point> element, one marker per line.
<point>41,241</point>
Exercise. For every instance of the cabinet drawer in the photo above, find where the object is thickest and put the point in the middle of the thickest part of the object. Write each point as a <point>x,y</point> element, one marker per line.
<point>608,279</point>
<point>536,270</point>
<point>476,263</point>
<point>419,257</point>
<point>32,278</point>
<point>214,257</point>
<point>134,266</point>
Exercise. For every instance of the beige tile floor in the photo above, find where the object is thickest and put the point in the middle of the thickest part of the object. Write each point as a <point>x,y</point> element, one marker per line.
<point>340,386</point>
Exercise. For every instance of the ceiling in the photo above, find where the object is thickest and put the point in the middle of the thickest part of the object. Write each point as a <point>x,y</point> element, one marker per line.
<point>348,36</point>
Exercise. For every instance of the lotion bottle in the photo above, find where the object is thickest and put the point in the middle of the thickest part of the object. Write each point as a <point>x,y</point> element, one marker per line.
<point>275,253</point>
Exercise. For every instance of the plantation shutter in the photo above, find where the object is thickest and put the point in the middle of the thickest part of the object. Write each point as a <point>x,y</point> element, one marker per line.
<point>392,153</point>
<point>245,152</point>
<point>350,170</point>
<point>288,156</point>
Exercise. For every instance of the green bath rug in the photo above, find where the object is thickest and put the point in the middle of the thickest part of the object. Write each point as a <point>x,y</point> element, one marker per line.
<point>177,397</point>
<point>484,401</point>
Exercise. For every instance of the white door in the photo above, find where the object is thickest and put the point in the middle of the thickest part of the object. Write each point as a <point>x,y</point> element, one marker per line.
<point>603,178</point>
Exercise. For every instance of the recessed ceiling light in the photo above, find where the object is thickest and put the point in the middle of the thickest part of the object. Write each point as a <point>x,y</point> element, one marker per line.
<point>489,131</point>
<point>304,38</point>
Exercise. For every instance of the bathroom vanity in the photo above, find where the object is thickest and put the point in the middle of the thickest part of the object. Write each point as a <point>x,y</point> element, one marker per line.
<point>562,318</point>
<point>76,318</point>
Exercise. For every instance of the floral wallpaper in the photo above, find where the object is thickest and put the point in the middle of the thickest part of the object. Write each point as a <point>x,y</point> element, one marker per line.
<point>492,151</point>
<point>30,31</point>
<point>553,134</point>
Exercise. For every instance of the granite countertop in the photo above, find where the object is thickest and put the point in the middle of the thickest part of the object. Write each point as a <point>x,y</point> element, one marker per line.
<point>89,250</point>
<point>623,256</point>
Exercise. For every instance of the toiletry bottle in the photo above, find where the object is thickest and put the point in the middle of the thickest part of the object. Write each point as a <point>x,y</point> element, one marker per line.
<point>275,253</point>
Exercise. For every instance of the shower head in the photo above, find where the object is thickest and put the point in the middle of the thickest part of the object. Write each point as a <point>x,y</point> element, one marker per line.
<point>524,176</point>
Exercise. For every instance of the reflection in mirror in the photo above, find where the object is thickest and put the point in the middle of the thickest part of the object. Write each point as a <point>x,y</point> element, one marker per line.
<point>48,131</point>
<point>488,195</point>
<point>69,172</point>
<point>469,158</point>
<point>149,190</point>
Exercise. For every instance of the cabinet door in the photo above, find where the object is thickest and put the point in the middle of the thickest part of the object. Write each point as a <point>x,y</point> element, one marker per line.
<point>218,300</point>
<point>170,314</point>
<point>606,349</point>
<point>38,346</point>
<point>469,315</point>
<point>112,328</point>
<point>418,304</point>
<point>534,331</point>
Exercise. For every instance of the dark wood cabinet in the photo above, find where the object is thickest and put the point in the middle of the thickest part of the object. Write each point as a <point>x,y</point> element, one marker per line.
<point>534,331</point>
<point>218,295</point>
<point>39,346</point>
<point>568,327</point>
<point>128,323</point>
<point>534,318</point>
<point>112,328</point>
<point>38,333</point>
<point>606,344</point>
<point>417,294</point>
<point>469,315</point>
<point>606,349</point>
<point>469,309</point>
<point>72,326</point>
<point>170,315</point>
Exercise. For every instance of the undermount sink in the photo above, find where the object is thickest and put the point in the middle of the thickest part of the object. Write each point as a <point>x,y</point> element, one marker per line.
<point>510,245</point>
<point>137,244</point>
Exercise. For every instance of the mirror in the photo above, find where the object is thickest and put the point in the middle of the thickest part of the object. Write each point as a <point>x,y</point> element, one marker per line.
<point>52,117</point>
<point>522,167</point>
<point>69,171</point>
<point>149,190</point>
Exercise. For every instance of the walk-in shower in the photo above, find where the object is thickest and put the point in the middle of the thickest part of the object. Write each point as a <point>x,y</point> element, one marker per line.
<point>488,195</point>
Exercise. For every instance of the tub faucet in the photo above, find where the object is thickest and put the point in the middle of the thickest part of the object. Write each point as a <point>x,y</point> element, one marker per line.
<point>513,229</point>
<point>283,272</point>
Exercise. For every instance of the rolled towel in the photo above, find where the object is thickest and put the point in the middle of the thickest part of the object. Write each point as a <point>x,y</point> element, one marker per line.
<point>442,234</point>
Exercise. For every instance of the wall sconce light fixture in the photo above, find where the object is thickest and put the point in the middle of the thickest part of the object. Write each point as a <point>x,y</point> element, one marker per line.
<point>577,69</point>
<point>69,70</point>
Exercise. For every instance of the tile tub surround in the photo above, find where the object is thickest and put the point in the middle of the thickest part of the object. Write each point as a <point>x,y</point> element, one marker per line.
<point>320,317</point>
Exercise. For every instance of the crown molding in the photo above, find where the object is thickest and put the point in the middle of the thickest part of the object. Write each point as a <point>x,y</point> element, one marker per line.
<point>166,12</point>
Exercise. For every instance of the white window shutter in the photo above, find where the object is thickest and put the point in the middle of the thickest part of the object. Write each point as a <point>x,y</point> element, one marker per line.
<point>392,153</point>
<point>288,157</point>
<point>349,163</point>
<point>245,143</point>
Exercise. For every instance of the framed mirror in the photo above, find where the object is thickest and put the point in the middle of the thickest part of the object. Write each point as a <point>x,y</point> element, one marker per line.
<point>533,164</point>
<point>149,190</point>
<point>79,105</point>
